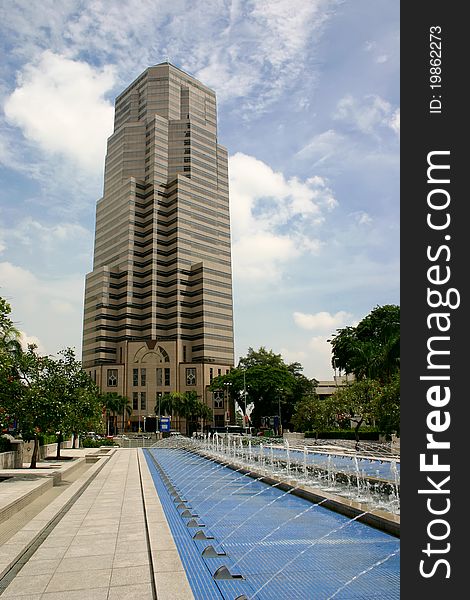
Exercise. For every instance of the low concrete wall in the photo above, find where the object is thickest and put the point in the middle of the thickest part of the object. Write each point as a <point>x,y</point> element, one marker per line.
<point>44,451</point>
<point>7,460</point>
<point>395,444</point>
<point>24,453</point>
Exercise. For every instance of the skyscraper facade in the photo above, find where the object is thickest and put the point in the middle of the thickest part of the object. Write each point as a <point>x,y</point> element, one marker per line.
<point>158,304</point>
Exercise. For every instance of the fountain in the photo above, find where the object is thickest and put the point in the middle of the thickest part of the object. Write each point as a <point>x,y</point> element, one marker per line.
<point>270,543</point>
<point>360,479</point>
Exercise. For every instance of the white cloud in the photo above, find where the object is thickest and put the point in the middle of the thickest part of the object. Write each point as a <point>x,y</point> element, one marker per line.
<point>291,356</point>
<point>59,104</point>
<point>366,115</point>
<point>323,147</point>
<point>380,56</point>
<point>370,45</point>
<point>256,49</point>
<point>274,219</point>
<point>26,340</point>
<point>320,358</point>
<point>322,321</point>
<point>394,121</point>
<point>315,358</point>
<point>261,257</point>
<point>383,58</point>
<point>362,218</point>
<point>48,309</point>
<point>41,236</point>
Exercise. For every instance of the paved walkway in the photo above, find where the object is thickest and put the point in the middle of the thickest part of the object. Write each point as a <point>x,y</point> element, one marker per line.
<point>104,538</point>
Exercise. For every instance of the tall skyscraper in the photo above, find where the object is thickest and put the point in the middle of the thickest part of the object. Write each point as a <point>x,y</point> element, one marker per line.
<point>158,304</point>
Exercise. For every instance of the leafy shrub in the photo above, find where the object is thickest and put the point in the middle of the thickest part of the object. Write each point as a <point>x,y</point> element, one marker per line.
<point>5,445</point>
<point>343,434</point>
<point>88,443</point>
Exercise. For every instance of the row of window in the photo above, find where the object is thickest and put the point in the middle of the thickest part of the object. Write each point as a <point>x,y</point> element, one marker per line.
<point>163,377</point>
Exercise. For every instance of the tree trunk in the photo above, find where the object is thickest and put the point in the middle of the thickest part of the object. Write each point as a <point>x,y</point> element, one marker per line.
<point>60,439</point>
<point>356,432</point>
<point>34,456</point>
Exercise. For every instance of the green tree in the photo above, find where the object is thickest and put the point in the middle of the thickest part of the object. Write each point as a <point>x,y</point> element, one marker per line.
<point>115,404</point>
<point>357,402</point>
<point>313,414</point>
<point>126,411</point>
<point>10,351</point>
<point>171,405</point>
<point>270,383</point>
<point>39,408</point>
<point>372,348</point>
<point>187,406</point>
<point>49,396</point>
<point>9,335</point>
<point>388,406</point>
<point>78,395</point>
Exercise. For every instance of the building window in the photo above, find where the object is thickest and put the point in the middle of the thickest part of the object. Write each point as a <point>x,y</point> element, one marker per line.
<point>143,376</point>
<point>184,353</point>
<point>112,377</point>
<point>227,371</point>
<point>135,377</point>
<point>162,355</point>
<point>218,396</point>
<point>159,377</point>
<point>219,372</point>
<point>191,376</point>
<point>135,400</point>
<point>211,374</point>
<point>143,401</point>
<point>167,376</point>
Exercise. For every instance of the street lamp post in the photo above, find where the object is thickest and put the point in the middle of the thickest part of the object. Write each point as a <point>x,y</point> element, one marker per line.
<point>244,398</point>
<point>159,412</point>
<point>227,409</point>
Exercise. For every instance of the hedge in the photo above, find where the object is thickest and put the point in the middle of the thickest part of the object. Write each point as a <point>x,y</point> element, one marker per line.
<point>87,443</point>
<point>343,434</point>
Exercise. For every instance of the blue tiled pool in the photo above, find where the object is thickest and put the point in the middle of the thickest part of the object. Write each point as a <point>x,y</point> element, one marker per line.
<point>280,545</point>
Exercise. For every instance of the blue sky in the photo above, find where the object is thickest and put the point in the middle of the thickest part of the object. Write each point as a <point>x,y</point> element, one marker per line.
<point>308,108</point>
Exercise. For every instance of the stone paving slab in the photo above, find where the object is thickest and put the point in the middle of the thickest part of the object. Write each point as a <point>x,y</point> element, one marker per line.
<point>24,485</point>
<point>99,550</point>
<point>16,545</point>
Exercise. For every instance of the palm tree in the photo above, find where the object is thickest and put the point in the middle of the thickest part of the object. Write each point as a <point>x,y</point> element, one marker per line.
<point>126,408</point>
<point>186,406</point>
<point>114,403</point>
<point>10,344</point>
<point>172,404</point>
